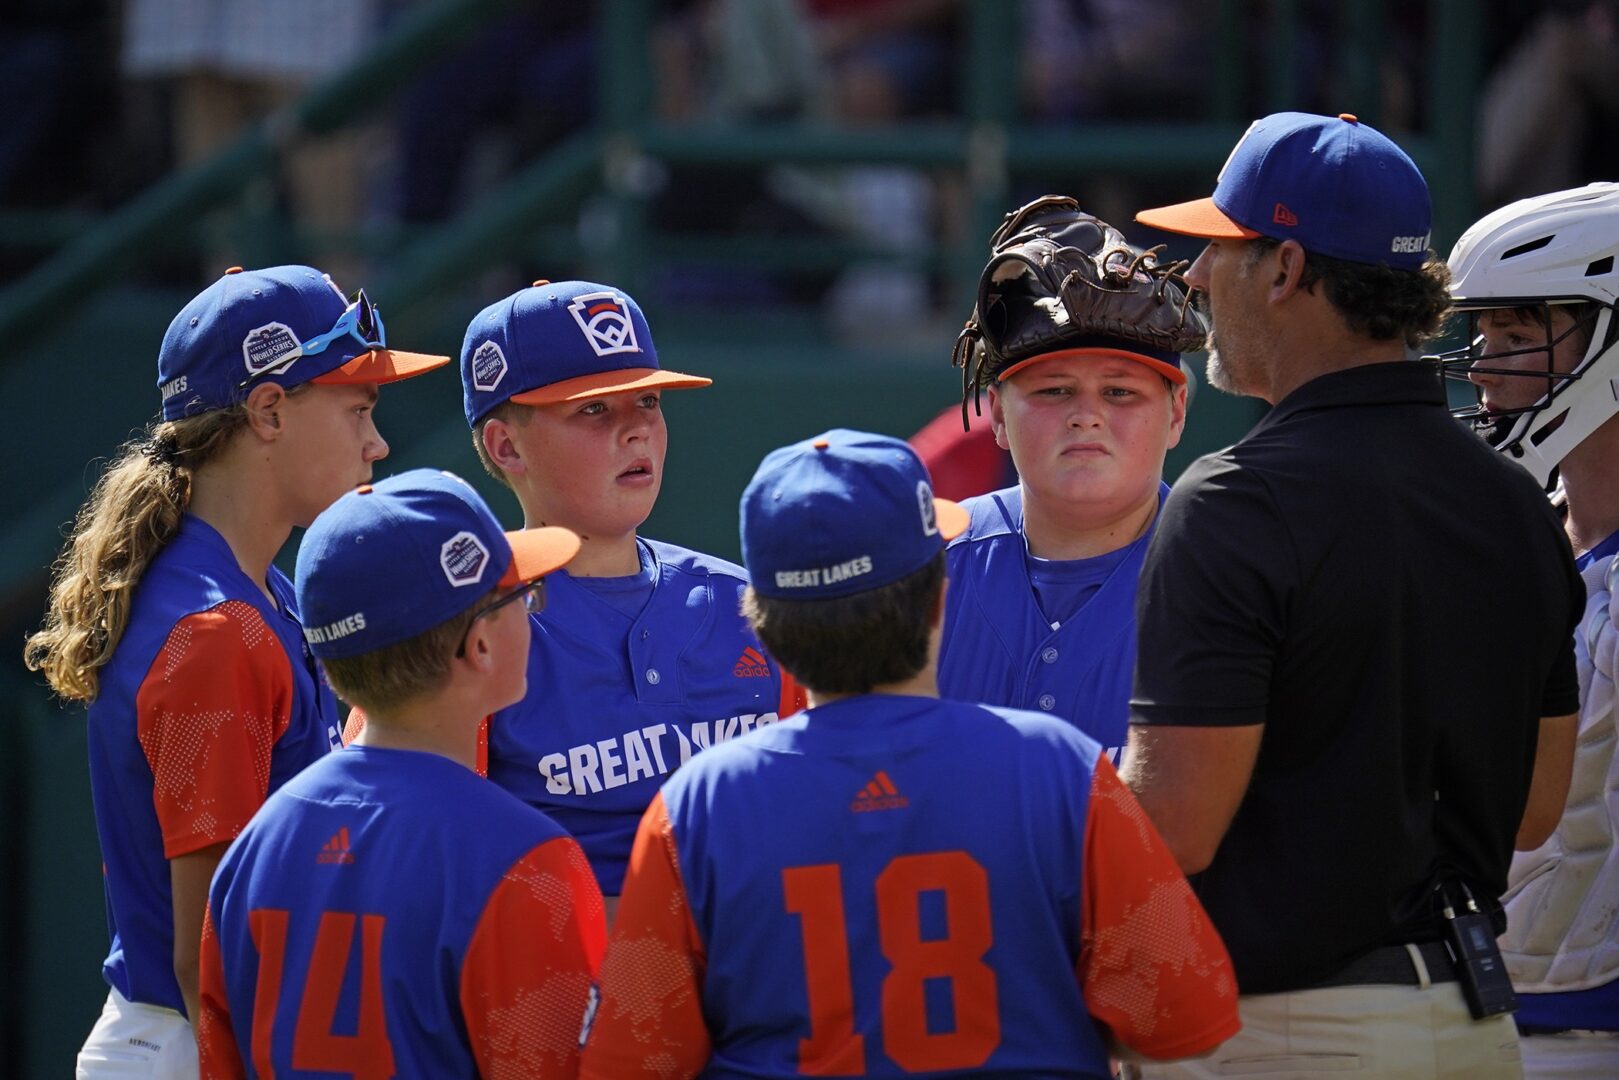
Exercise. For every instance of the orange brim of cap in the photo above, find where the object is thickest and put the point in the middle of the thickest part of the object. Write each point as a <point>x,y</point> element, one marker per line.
<point>951,518</point>
<point>381,366</point>
<point>620,381</point>
<point>537,552</point>
<point>1171,372</point>
<point>1200,217</point>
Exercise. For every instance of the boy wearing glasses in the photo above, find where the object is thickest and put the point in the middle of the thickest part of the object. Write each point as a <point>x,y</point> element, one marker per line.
<point>388,912</point>
<point>643,658</point>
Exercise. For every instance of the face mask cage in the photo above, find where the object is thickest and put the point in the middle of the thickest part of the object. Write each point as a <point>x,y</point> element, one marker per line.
<point>1498,424</point>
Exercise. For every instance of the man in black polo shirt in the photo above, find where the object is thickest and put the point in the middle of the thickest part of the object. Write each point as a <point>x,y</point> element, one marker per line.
<point>1354,682</point>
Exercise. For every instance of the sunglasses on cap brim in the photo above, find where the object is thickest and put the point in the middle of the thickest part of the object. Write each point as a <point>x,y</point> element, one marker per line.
<point>361,320</point>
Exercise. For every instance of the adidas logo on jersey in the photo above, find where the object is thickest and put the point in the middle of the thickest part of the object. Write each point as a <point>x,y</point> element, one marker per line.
<point>880,794</point>
<point>337,849</point>
<point>751,665</point>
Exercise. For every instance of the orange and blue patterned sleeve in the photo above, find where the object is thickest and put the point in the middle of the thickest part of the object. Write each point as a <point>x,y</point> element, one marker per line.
<point>1152,967</point>
<point>219,1056</point>
<point>649,1020</point>
<point>528,970</point>
<point>212,705</point>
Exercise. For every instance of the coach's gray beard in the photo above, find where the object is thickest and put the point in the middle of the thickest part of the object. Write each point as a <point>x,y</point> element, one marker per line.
<point>1218,376</point>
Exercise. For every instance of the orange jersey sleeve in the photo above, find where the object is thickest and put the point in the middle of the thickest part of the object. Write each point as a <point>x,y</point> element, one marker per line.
<point>649,1021</point>
<point>792,694</point>
<point>354,725</point>
<point>527,974</point>
<point>218,1056</point>
<point>1151,965</point>
<point>216,699</point>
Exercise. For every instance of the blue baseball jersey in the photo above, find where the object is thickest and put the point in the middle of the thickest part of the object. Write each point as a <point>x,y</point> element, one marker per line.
<point>210,702</point>
<point>616,703</point>
<point>892,885</point>
<point>391,913</point>
<point>1000,647</point>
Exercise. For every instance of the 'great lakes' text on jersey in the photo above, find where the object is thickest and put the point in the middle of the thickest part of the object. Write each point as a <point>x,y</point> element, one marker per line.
<point>616,704</point>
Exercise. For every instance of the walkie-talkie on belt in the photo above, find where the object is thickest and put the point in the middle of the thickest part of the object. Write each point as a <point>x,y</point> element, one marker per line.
<point>1479,967</point>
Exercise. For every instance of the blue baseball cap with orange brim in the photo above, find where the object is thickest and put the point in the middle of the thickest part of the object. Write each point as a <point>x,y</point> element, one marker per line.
<point>561,341</point>
<point>1339,187</point>
<point>286,325</point>
<point>842,513</point>
<point>391,560</point>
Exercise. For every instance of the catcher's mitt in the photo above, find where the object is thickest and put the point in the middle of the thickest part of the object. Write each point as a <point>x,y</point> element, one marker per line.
<point>1059,278</point>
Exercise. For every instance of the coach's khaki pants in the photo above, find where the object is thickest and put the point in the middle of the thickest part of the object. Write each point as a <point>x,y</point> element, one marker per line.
<point>1393,1032</point>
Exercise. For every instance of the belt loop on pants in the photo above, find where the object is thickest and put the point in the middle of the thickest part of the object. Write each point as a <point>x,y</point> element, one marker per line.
<point>1423,981</point>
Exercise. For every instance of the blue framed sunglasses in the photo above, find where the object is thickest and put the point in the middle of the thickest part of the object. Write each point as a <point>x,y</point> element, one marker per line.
<point>361,320</point>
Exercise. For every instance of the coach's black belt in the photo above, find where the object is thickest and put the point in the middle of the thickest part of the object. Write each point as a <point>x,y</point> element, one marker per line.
<point>1392,964</point>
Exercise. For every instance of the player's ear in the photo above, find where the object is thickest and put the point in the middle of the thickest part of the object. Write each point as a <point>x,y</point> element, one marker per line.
<point>997,417</point>
<point>479,654</point>
<point>502,449</point>
<point>1177,415</point>
<point>264,407</point>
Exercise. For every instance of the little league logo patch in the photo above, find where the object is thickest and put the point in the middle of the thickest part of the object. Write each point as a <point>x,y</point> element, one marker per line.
<point>268,347</point>
<point>463,558</point>
<point>488,366</point>
<point>930,513</point>
<point>605,319</point>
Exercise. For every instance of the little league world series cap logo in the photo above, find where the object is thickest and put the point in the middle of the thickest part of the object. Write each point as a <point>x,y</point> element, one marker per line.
<point>605,319</point>
<point>930,513</point>
<point>488,366</point>
<point>463,558</point>
<point>264,347</point>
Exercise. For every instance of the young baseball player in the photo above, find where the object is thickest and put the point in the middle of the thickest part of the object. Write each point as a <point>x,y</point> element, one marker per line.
<point>1544,359</point>
<point>168,619</point>
<point>1077,338</point>
<point>643,657</point>
<point>388,912</point>
<point>888,883</point>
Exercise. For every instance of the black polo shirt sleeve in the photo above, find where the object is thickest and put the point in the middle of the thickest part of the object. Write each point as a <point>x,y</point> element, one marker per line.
<point>1211,609</point>
<point>1563,682</point>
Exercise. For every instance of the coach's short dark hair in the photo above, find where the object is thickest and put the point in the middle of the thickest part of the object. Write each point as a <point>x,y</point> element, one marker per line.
<point>850,644</point>
<point>1378,302</point>
<point>509,412</point>
<point>388,677</point>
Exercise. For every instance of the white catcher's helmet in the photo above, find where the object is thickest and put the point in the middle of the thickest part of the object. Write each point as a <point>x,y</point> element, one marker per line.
<point>1547,251</point>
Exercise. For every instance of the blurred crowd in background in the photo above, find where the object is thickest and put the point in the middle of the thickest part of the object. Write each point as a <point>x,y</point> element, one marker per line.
<point>106,97</point>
